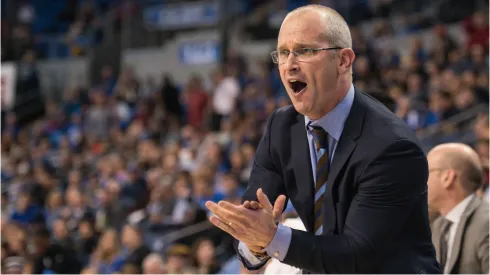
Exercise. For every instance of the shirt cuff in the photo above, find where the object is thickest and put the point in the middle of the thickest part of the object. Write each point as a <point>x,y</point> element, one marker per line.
<point>248,256</point>
<point>278,247</point>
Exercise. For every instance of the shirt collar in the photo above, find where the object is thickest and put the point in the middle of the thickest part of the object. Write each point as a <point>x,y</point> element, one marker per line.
<point>455,214</point>
<point>333,122</point>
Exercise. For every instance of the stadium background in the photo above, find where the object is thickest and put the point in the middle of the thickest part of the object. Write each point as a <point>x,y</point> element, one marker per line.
<point>120,118</point>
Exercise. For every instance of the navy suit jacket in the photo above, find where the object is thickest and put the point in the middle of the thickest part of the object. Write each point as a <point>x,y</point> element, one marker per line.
<point>375,204</point>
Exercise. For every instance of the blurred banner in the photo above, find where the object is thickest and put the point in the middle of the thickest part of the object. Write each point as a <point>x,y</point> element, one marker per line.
<point>182,15</point>
<point>178,58</point>
<point>200,52</point>
<point>9,78</point>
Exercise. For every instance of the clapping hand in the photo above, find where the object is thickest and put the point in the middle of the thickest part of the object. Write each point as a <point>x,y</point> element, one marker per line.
<point>253,223</point>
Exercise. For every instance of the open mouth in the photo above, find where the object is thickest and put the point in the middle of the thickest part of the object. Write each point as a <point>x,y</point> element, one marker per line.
<point>297,86</point>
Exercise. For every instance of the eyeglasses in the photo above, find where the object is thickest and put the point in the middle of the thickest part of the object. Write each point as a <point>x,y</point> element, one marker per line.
<point>302,54</point>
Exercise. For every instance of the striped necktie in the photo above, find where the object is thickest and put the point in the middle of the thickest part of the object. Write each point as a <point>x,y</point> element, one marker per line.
<point>322,166</point>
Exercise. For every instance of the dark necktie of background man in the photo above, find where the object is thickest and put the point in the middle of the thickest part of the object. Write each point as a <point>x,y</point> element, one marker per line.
<point>444,242</point>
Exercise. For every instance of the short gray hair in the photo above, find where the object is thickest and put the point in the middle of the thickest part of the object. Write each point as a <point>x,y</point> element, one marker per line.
<point>153,258</point>
<point>337,31</point>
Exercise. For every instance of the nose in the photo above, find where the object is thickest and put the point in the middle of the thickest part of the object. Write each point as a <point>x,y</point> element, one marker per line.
<point>291,64</point>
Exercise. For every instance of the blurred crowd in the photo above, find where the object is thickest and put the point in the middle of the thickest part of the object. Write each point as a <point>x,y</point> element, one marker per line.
<point>124,153</point>
<point>60,29</point>
<point>111,178</point>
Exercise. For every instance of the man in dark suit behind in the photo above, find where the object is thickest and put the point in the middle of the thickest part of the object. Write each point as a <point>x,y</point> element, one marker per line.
<point>353,171</point>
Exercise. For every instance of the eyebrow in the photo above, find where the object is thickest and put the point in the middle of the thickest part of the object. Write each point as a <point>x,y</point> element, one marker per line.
<point>296,46</point>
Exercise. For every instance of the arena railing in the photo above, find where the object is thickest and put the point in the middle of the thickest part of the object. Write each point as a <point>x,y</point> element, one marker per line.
<point>457,128</point>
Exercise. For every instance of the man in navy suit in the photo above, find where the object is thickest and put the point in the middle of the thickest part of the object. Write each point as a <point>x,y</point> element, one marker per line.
<point>354,172</point>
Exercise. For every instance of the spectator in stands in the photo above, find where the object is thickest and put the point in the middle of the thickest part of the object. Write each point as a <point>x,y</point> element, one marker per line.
<point>444,43</point>
<point>26,13</point>
<point>482,133</point>
<point>107,257</point>
<point>476,27</point>
<point>465,99</point>
<point>481,126</point>
<point>51,258</point>
<point>226,91</point>
<point>179,260</point>
<point>109,212</point>
<point>455,175</point>
<point>154,264</point>
<point>195,99</point>
<point>482,150</point>
<point>53,207</point>
<point>440,108</point>
<point>75,38</point>
<point>204,190</point>
<point>184,210</point>
<point>130,268</point>
<point>171,98</point>
<point>22,42</point>
<point>14,241</point>
<point>61,234</point>
<point>252,99</point>
<point>204,256</point>
<point>86,13</point>
<point>26,212</point>
<point>76,208</point>
<point>132,241</point>
<point>127,86</point>
<point>148,88</point>
<point>14,265</point>
<point>86,270</point>
<point>108,80</point>
<point>98,117</point>
<point>87,239</point>
<point>28,77</point>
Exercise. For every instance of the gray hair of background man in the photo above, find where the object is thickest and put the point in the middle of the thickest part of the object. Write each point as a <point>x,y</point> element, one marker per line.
<point>153,264</point>
<point>464,159</point>
<point>337,31</point>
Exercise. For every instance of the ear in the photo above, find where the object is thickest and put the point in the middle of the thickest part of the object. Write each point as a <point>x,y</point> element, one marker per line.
<point>448,178</point>
<point>346,57</point>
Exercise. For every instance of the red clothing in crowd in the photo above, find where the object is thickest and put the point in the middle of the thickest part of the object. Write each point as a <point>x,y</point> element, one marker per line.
<point>197,101</point>
<point>476,35</point>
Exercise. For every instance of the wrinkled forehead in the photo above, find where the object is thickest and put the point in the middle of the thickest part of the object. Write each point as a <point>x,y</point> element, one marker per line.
<point>301,30</point>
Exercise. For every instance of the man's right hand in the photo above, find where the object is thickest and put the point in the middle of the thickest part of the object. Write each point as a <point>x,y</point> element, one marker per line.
<point>254,206</point>
<point>276,213</point>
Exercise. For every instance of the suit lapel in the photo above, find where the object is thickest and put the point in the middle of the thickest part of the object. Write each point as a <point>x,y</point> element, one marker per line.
<point>458,238</point>
<point>343,151</point>
<point>302,170</point>
<point>351,132</point>
<point>345,147</point>
<point>436,237</point>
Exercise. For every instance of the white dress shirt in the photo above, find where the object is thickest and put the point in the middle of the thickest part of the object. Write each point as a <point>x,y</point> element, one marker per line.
<point>454,216</point>
<point>275,266</point>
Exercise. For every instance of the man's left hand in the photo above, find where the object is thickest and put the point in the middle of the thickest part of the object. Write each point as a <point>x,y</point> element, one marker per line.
<point>252,227</point>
